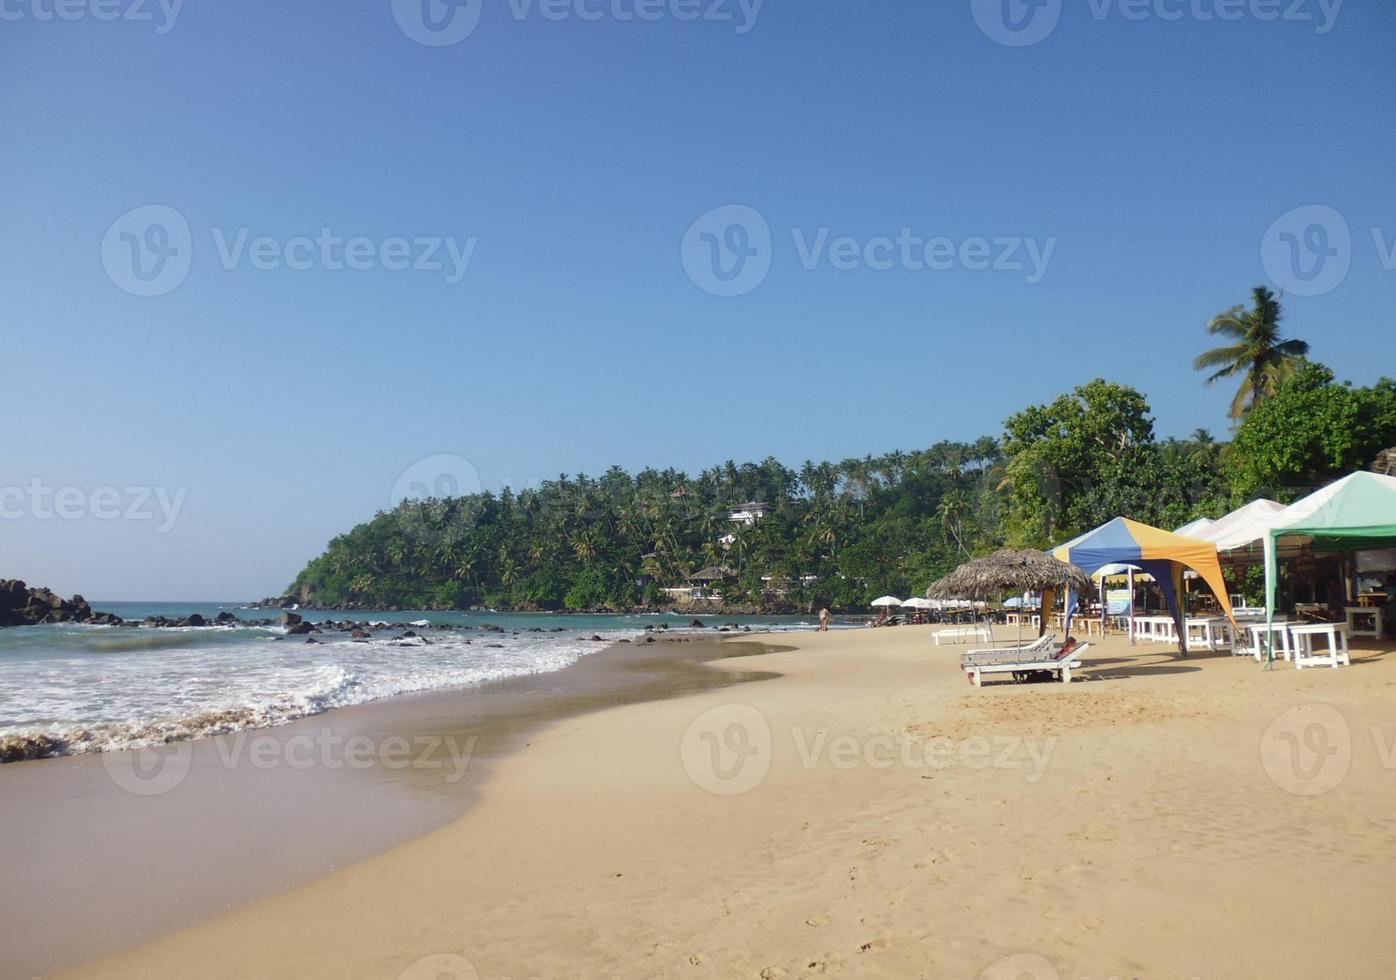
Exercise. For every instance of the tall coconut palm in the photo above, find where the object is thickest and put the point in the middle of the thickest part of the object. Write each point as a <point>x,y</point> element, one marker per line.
<point>1257,353</point>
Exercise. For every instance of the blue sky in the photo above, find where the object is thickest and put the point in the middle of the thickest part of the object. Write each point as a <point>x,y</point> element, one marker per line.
<point>280,406</point>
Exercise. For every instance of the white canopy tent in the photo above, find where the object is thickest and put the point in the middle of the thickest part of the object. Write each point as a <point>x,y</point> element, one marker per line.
<point>1245,527</point>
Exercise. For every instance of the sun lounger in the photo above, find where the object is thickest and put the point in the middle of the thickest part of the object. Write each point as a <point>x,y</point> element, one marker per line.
<point>990,655</point>
<point>957,633</point>
<point>1045,660</point>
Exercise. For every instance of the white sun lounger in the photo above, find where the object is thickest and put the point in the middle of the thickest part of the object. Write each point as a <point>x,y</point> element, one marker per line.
<point>1039,660</point>
<point>957,633</point>
<point>989,655</point>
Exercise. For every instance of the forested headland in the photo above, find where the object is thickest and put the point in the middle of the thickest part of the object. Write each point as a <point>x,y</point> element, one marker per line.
<point>841,533</point>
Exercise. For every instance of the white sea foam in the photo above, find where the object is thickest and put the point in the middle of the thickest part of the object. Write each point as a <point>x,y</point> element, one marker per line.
<point>147,686</point>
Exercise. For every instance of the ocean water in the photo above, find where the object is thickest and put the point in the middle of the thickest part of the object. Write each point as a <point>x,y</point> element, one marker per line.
<point>94,688</point>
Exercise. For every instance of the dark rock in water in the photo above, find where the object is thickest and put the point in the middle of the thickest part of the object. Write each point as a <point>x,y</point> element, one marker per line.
<point>289,619</point>
<point>311,639</point>
<point>649,639</point>
<point>697,624</point>
<point>358,635</point>
<point>23,606</point>
<point>196,620</point>
<point>300,629</point>
<point>225,617</point>
<point>596,638</point>
<point>622,641</point>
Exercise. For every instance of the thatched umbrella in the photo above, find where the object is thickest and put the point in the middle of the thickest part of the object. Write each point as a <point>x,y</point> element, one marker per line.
<point>1009,571</point>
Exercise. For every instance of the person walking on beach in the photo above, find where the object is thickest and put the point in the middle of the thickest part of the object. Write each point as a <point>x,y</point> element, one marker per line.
<point>823,619</point>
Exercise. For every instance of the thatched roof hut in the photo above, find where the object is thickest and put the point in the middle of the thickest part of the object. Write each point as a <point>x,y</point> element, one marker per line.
<point>713,573</point>
<point>1008,571</point>
<point>1385,463</point>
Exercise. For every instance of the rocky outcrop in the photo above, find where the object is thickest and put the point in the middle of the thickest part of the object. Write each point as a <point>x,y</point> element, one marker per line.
<point>275,602</point>
<point>23,606</point>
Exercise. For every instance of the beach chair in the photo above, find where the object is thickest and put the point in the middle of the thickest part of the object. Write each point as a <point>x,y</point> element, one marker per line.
<point>1046,660</point>
<point>985,655</point>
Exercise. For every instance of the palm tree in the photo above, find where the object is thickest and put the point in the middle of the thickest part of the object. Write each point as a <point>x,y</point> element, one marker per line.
<point>1257,352</point>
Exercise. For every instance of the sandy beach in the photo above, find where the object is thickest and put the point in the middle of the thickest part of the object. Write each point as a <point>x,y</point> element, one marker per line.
<point>870,813</point>
<point>134,845</point>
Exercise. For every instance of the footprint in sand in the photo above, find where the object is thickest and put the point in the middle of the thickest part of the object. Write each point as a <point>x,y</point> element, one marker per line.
<point>772,973</point>
<point>815,921</point>
<point>931,860</point>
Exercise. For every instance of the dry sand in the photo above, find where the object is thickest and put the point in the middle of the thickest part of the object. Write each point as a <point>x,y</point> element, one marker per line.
<point>868,812</point>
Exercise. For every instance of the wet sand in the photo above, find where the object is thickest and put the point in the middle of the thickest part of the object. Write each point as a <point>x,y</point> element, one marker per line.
<point>104,852</point>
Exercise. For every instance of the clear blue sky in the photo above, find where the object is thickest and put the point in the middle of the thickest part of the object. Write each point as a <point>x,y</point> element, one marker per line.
<point>1156,153</point>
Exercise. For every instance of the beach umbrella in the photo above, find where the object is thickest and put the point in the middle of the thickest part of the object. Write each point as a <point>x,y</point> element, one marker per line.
<point>916,602</point>
<point>1009,571</point>
<point>887,600</point>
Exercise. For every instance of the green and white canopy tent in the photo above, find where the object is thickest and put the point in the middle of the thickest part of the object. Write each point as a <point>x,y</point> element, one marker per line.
<point>1357,513</point>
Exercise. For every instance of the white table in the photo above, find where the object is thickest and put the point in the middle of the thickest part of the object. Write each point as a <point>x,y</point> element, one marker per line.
<point>1337,635</point>
<point>1258,638</point>
<point>1155,629</point>
<point>1355,613</point>
<point>1211,632</point>
<point>966,633</point>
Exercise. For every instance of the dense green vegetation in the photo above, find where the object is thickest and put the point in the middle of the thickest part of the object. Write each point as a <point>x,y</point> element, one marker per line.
<point>843,533</point>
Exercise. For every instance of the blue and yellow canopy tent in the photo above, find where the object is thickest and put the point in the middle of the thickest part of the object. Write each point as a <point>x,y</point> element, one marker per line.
<point>1162,554</point>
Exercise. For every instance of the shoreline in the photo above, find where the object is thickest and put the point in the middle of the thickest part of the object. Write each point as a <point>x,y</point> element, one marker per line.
<point>901,823</point>
<point>269,809</point>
